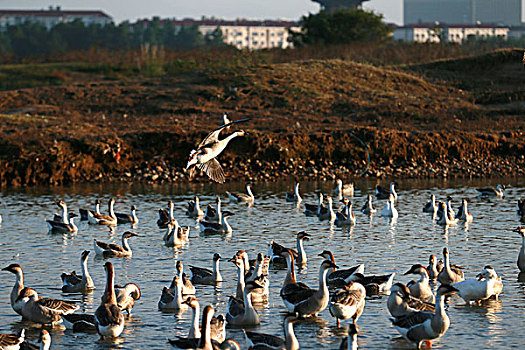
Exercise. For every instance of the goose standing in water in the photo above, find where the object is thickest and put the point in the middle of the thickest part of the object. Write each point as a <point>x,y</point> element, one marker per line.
<point>267,341</point>
<point>194,210</point>
<point>84,212</point>
<point>348,302</point>
<point>301,299</point>
<point>241,312</point>
<point>312,209</point>
<point>294,196</point>
<point>44,310</point>
<point>448,275</point>
<point>422,326</point>
<point>130,218</point>
<point>400,302</point>
<point>389,211</point>
<point>485,285</point>
<point>431,206</point>
<point>463,214</point>
<point>521,255</point>
<point>368,207</point>
<point>420,289</point>
<point>340,277</point>
<point>187,287</point>
<point>108,250</point>
<point>101,219</point>
<point>383,193</point>
<point>200,275</point>
<point>350,342</point>
<point>204,157</point>
<point>126,296</point>
<point>238,197</point>
<point>109,319</point>
<point>73,283</point>
<point>344,190</point>
<point>66,222</point>
<point>347,217</point>
<point>327,213</point>
<point>499,191</point>
<point>166,216</point>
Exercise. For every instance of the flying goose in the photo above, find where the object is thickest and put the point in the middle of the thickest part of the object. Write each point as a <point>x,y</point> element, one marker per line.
<point>194,210</point>
<point>348,302</point>
<point>84,212</point>
<point>448,275</point>
<point>417,327</point>
<point>101,219</point>
<point>340,277</point>
<point>420,289</point>
<point>294,196</point>
<point>267,341</point>
<point>301,299</point>
<point>126,296</point>
<point>73,283</point>
<point>368,207</point>
<point>521,255</point>
<point>200,275</point>
<point>241,312</point>
<point>344,190</point>
<point>109,319</point>
<point>485,285</point>
<point>400,302</point>
<point>383,193</point>
<point>108,250</point>
<point>166,216</point>
<point>204,157</point>
<point>499,191</point>
<point>238,197</point>
<point>130,218</point>
<point>44,310</point>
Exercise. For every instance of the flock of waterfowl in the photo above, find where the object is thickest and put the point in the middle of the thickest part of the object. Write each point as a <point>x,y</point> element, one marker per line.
<point>417,313</point>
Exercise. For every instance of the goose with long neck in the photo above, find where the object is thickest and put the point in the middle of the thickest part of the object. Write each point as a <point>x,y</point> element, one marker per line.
<point>242,312</point>
<point>108,250</point>
<point>205,342</point>
<point>314,209</point>
<point>448,275</point>
<point>172,300</point>
<point>64,222</point>
<point>194,210</point>
<point>222,226</point>
<point>109,320</point>
<point>389,210</point>
<point>431,206</point>
<point>166,215</point>
<point>16,303</point>
<point>432,267</point>
<point>187,287</point>
<point>421,326</point>
<point>382,193</point>
<point>294,196</point>
<point>205,156</point>
<point>259,295</point>
<point>327,213</point>
<point>173,236</point>
<point>290,267</point>
<point>238,197</point>
<point>347,217</point>
<point>463,214</point>
<point>340,277</point>
<point>446,217</point>
<point>200,275</point>
<point>101,219</point>
<point>241,274</point>
<point>130,218</point>
<point>212,214</point>
<point>368,207</point>
<point>521,254</point>
<point>72,283</point>
<point>420,289</point>
<point>400,302</point>
<point>268,341</point>
<point>301,237</point>
<point>305,301</point>
<point>84,212</point>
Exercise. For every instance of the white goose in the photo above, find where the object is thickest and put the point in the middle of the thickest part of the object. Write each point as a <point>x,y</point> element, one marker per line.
<point>130,218</point>
<point>223,226</point>
<point>238,197</point>
<point>187,287</point>
<point>389,211</point>
<point>340,277</point>
<point>109,320</point>
<point>72,283</point>
<point>84,212</point>
<point>204,157</point>
<point>485,285</point>
<point>174,236</point>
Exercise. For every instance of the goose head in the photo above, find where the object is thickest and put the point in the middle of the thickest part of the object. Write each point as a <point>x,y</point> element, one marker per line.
<point>432,260</point>
<point>328,264</point>
<point>13,268</point>
<point>328,255</point>
<point>216,257</point>
<point>194,159</point>
<point>401,289</point>
<point>192,302</point>
<point>520,230</point>
<point>128,234</point>
<point>303,235</point>
<point>84,255</point>
<point>416,270</point>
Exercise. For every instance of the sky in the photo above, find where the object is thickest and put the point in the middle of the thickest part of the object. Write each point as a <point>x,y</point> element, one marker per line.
<point>131,10</point>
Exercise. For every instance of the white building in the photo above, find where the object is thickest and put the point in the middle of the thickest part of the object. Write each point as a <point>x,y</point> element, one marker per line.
<point>456,33</point>
<point>245,34</point>
<point>51,17</point>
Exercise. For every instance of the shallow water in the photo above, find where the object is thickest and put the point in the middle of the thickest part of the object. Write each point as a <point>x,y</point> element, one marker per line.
<point>382,246</point>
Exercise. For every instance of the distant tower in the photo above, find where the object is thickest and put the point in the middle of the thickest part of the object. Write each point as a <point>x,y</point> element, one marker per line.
<point>331,5</point>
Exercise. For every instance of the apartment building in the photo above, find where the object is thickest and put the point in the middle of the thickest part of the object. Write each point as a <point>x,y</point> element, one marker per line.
<point>455,33</point>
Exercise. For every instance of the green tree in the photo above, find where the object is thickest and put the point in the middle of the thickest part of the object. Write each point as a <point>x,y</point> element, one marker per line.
<point>342,27</point>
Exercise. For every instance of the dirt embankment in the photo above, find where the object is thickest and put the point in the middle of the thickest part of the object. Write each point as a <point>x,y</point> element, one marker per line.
<point>309,118</point>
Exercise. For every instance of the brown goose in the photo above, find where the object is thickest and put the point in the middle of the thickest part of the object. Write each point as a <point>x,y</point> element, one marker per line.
<point>348,302</point>
<point>44,310</point>
<point>108,250</point>
<point>126,296</point>
<point>16,303</point>
<point>448,275</point>
<point>130,218</point>
<point>401,303</point>
<point>339,278</point>
<point>101,219</point>
<point>420,289</point>
<point>166,216</point>
<point>12,341</point>
<point>109,320</point>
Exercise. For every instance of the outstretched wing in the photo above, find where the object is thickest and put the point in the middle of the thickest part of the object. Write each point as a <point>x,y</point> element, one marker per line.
<point>213,169</point>
<point>214,135</point>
